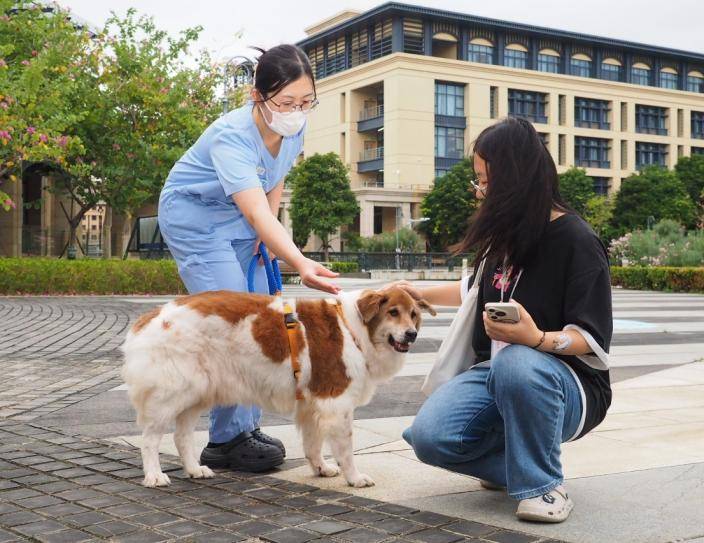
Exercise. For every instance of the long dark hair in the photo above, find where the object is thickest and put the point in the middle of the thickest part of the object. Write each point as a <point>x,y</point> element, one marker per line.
<point>522,189</point>
<point>279,66</point>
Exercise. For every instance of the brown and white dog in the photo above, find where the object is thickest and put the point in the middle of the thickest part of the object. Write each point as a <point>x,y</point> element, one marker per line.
<point>225,348</point>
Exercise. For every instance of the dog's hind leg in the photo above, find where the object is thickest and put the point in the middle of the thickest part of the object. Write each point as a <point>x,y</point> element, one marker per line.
<point>151,437</point>
<point>183,437</point>
<point>340,437</point>
<point>313,444</point>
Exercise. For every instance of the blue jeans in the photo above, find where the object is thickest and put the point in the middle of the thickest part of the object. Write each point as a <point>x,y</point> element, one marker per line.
<point>502,423</point>
<point>207,261</point>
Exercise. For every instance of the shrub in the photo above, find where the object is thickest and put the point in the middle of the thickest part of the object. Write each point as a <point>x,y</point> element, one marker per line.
<point>343,267</point>
<point>661,278</point>
<point>408,240</point>
<point>52,276</point>
<point>667,244</point>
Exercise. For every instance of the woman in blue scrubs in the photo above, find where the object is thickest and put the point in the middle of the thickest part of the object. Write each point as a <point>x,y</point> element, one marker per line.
<point>220,199</point>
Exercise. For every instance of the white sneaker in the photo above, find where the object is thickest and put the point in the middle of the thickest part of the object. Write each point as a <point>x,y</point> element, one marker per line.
<point>554,506</point>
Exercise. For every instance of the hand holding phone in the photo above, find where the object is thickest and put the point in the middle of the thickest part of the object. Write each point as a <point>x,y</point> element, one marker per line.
<point>506,312</point>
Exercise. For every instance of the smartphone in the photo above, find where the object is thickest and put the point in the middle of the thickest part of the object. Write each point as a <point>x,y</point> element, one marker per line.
<point>502,312</point>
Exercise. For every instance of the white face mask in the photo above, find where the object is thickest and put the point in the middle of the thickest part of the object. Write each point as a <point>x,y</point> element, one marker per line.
<point>285,124</point>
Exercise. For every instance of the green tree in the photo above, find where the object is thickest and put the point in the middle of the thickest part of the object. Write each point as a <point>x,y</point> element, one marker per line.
<point>141,109</point>
<point>654,192</point>
<point>577,188</point>
<point>599,212</point>
<point>690,170</point>
<point>322,199</point>
<point>448,207</point>
<point>40,55</point>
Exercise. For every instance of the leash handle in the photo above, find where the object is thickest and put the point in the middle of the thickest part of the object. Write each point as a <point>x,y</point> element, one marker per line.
<point>271,267</point>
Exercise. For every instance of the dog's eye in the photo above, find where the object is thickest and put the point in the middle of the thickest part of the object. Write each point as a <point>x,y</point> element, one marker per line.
<point>413,315</point>
<point>393,312</point>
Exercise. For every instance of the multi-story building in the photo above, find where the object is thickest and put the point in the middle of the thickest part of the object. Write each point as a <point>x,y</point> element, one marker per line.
<point>404,90</point>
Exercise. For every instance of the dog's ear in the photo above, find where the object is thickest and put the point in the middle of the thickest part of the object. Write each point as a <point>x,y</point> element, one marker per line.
<point>424,305</point>
<point>369,304</point>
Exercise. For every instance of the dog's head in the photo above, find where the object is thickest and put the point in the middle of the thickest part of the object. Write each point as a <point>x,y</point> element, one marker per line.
<point>392,317</point>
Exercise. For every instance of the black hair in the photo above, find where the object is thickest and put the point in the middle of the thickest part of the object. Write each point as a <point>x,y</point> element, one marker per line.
<point>279,66</point>
<point>523,188</point>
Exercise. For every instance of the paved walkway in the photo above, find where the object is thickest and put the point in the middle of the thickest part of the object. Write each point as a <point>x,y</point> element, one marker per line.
<point>69,469</point>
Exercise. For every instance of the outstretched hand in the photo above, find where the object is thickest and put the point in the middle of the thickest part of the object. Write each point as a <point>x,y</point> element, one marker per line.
<point>313,273</point>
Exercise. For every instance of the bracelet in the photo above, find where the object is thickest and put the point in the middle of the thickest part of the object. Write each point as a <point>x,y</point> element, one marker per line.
<point>541,341</point>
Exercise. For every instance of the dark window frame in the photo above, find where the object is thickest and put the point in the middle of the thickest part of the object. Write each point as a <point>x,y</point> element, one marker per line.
<point>530,105</point>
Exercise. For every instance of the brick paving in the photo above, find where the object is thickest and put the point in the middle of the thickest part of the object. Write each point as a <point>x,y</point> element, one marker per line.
<point>56,486</point>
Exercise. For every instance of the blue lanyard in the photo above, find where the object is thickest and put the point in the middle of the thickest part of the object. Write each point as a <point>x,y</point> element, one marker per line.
<point>273,274</point>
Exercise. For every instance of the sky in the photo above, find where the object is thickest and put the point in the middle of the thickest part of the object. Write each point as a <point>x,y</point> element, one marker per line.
<point>675,23</point>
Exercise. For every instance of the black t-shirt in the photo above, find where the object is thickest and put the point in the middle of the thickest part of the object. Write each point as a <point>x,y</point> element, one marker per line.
<point>566,283</point>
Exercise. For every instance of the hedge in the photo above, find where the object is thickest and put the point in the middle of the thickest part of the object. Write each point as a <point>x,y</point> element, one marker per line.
<point>659,278</point>
<point>87,276</point>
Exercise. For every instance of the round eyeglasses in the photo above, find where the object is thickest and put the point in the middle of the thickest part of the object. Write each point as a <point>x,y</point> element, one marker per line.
<point>306,106</point>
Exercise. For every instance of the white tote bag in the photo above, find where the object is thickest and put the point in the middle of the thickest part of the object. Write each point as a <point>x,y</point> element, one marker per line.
<point>456,353</point>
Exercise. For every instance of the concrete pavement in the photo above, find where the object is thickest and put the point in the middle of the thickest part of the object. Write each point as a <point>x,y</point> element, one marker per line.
<point>637,477</point>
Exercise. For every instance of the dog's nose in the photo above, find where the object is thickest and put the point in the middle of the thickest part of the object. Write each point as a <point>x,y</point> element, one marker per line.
<point>411,335</point>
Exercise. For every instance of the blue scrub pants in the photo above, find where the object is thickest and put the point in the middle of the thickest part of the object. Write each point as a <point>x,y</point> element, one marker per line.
<point>208,260</point>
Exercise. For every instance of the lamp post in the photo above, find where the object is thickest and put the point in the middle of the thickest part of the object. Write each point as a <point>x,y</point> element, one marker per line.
<point>241,69</point>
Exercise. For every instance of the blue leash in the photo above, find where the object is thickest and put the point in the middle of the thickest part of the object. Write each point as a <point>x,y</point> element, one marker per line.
<point>273,274</point>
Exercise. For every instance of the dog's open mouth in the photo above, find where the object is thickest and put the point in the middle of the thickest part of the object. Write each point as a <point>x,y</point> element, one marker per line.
<point>398,346</point>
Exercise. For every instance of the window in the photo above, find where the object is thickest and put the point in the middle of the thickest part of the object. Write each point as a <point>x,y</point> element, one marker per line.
<point>649,154</point>
<point>668,78</point>
<point>381,38</point>
<point>601,185</point>
<point>530,105</point>
<point>515,56</point>
<point>698,150</point>
<point>591,113</point>
<point>440,173</point>
<point>335,61</point>
<point>449,99</point>
<point>359,48</point>
<point>316,55</point>
<point>581,65</point>
<point>480,51</point>
<point>698,124</point>
<point>413,36</point>
<point>449,142</point>
<point>549,61</point>
<point>640,74</point>
<point>651,120</point>
<point>695,82</point>
<point>611,69</point>
<point>591,152</point>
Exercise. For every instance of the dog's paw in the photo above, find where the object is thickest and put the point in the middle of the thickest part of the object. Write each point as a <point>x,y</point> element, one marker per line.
<point>201,472</point>
<point>362,480</point>
<point>328,470</point>
<point>156,479</point>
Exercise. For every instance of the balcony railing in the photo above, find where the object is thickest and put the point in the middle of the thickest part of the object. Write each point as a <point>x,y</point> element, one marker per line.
<point>601,125</point>
<point>375,153</point>
<point>660,131</point>
<point>372,112</point>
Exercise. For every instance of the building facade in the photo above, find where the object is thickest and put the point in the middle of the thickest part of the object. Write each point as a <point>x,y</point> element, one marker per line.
<point>404,90</point>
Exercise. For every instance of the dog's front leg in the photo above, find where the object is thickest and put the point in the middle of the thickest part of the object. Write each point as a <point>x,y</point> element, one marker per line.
<point>313,446</point>
<point>341,445</point>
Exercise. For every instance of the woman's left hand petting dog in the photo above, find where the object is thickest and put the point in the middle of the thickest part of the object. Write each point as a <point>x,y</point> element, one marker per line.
<point>225,348</point>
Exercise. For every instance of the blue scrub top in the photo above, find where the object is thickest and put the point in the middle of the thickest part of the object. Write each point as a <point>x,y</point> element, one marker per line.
<point>228,157</point>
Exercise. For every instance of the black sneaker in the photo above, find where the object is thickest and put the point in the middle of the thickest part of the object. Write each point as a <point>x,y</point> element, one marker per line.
<point>270,440</point>
<point>244,453</point>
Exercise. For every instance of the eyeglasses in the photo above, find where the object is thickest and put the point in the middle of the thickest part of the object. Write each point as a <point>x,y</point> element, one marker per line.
<point>289,107</point>
<point>475,184</point>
